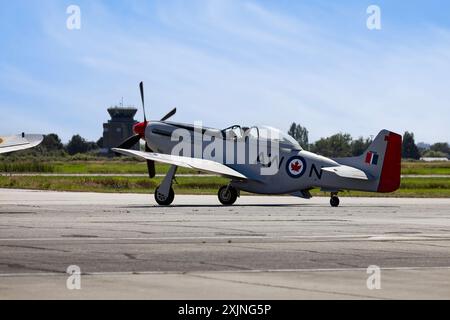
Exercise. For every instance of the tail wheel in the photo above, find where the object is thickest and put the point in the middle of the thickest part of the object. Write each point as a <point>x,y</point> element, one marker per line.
<point>228,195</point>
<point>162,199</point>
<point>334,201</point>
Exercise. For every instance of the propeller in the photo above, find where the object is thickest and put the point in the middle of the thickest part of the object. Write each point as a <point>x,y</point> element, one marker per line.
<point>139,129</point>
<point>169,115</point>
<point>130,142</point>
<point>150,163</point>
<point>141,87</point>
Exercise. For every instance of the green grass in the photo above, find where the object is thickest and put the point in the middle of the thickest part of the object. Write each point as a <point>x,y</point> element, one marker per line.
<point>125,165</point>
<point>426,168</point>
<point>411,187</point>
<point>26,166</point>
<point>193,185</point>
<point>111,167</point>
<point>84,167</point>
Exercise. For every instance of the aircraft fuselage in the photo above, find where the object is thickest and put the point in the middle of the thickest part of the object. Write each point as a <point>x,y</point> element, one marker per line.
<point>290,171</point>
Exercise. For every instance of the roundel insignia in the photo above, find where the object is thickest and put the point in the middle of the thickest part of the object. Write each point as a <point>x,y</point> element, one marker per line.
<point>296,167</point>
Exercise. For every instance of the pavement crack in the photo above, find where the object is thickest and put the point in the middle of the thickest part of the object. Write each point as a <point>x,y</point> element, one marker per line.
<point>260,284</point>
<point>33,247</point>
<point>15,266</point>
<point>130,256</point>
<point>224,265</point>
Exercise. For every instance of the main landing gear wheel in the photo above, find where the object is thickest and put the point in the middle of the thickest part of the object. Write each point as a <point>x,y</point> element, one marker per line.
<point>334,201</point>
<point>162,199</point>
<point>227,195</point>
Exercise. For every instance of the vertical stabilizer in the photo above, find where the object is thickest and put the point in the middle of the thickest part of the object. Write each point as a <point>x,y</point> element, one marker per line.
<point>381,161</point>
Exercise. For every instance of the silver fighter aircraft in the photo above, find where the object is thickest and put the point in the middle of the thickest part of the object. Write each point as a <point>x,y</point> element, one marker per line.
<point>280,165</point>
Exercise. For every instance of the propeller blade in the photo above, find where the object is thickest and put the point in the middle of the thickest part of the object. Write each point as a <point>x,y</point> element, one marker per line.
<point>130,142</point>
<point>169,115</point>
<point>150,163</point>
<point>151,168</point>
<point>141,87</point>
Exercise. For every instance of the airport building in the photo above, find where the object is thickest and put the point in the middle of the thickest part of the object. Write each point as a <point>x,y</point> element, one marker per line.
<point>119,128</point>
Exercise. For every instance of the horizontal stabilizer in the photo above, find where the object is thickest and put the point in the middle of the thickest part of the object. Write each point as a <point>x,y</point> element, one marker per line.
<point>186,162</point>
<point>347,172</point>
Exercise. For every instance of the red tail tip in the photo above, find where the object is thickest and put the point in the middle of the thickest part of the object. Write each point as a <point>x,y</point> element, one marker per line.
<point>391,172</point>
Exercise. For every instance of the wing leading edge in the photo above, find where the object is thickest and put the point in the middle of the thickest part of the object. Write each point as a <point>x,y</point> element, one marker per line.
<point>186,162</point>
<point>19,142</point>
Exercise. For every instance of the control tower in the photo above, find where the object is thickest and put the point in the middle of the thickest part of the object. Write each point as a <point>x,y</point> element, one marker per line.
<point>119,128</point>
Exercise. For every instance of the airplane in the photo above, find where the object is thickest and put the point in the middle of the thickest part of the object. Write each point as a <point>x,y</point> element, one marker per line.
<point>295,171</point>
<point>19,142</point>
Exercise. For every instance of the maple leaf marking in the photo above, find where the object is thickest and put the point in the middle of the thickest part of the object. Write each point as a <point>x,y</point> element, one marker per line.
<point>296,166</point>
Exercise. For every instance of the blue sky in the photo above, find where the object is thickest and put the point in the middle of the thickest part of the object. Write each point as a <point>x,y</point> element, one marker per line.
<point>228,61</point>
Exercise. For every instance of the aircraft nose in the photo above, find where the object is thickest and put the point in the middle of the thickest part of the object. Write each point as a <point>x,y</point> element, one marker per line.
<point>139,128</point>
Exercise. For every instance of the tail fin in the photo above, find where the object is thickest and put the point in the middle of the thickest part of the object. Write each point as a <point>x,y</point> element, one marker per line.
<point>382,161</point>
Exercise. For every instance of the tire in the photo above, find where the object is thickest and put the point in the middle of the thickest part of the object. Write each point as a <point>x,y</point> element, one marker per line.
<point>227,195</point>
<point>163,201</point>
<point>334,201</point>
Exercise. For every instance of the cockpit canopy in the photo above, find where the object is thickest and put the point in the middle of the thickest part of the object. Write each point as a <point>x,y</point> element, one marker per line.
<point>261,132</point>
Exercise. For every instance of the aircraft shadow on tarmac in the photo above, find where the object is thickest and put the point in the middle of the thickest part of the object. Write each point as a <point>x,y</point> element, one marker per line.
<point>256,205</point>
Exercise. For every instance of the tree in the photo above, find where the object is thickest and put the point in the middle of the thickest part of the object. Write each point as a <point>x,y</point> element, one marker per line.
<point>52,142</point>
<point>441,147</point>
<point>409,148</point>
<point>360,145</point>
<point>100,142</point>
<point>92,146</point>
<point>300,134</point>
<point>337,145</point>
<point>79,145</point>
<point>434,154</point>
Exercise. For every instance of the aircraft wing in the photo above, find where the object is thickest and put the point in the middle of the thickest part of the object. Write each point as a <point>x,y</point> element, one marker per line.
<point>186,162</point>
<point>19,142</point>
<point>347,172</point>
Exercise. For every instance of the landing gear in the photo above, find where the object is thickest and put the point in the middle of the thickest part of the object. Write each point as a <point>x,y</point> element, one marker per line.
<point>163,199</point>
<point>228,195</point>
<point>334,201</point>
<point>164,194</point>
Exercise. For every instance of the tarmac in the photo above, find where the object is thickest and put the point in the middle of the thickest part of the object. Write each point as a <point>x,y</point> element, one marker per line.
<point>126,247</point>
